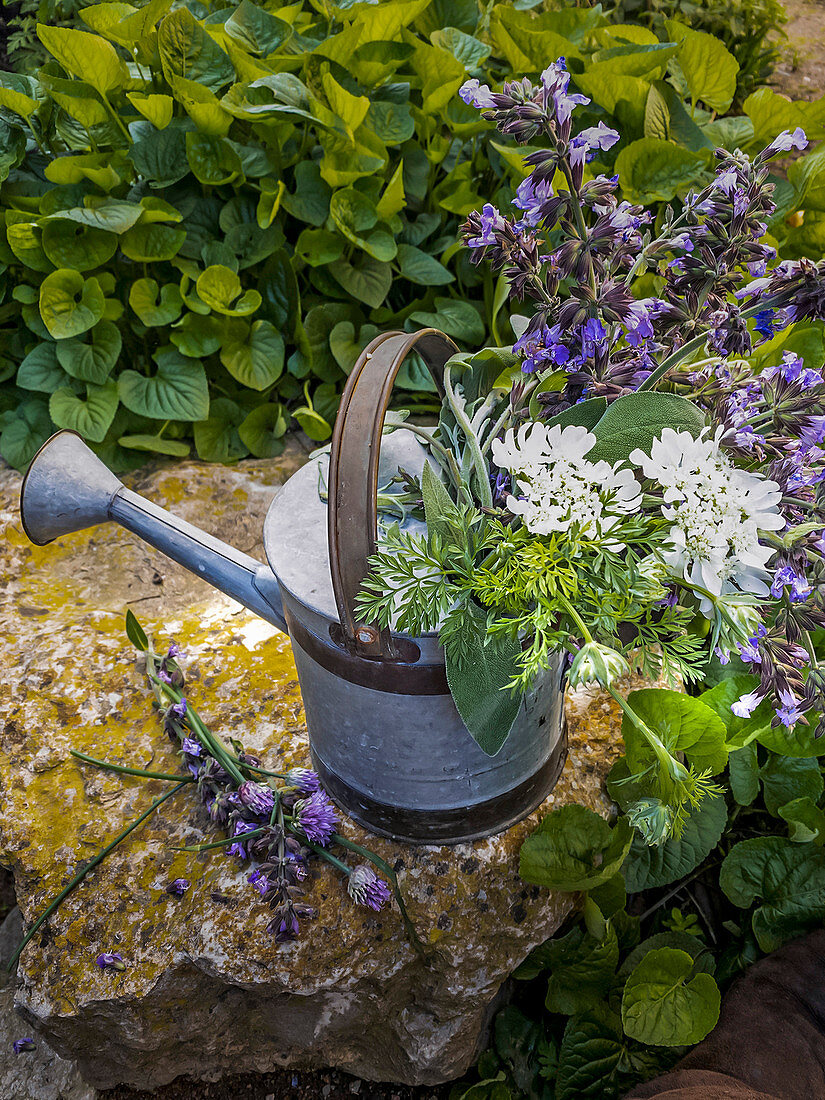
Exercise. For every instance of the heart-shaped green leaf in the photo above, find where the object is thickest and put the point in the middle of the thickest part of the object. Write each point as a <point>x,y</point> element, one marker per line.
<point>29,429</point>
<point>69,244</point>
<point>90,358</point>
<point>419,267</point>
<point>263,430</point>
<point>667,1003</point>
<point>146,243</point>
<point>70,304</point>
<point>788,881</point>
<point>92,417</point>
<point>41,371</point>
<point>155,305</point>
<point>179,390</point>
<point>216,438</point>
<point>220,288</point>
<point>257,358</point>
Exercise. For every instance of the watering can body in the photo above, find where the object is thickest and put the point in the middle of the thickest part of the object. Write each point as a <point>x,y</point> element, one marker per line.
<point>385,736</point>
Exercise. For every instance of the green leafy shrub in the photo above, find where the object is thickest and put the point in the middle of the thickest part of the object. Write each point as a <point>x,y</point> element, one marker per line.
<point>208,212</point>
<point>746,27</point>
<point>748,872</point>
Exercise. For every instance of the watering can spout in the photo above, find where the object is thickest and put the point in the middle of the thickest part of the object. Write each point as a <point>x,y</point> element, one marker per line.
<point>67,488</point>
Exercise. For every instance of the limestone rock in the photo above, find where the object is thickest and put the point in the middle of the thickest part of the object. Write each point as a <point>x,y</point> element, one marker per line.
<point>37,1074</point>
<point>206,991</point>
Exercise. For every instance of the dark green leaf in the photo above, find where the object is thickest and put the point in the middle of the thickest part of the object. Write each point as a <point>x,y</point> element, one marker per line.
<point>667,1003</point>
<point>786,879</point>
<point>574,849</point>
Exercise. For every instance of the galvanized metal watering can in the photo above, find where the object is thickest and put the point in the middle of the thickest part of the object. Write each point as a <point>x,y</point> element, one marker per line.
<point>385,736</point>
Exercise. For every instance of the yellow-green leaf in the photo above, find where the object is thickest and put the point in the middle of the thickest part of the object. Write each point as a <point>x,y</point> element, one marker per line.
<point>85,56</point>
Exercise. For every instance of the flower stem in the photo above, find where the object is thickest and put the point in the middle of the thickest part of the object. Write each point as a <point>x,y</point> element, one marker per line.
<point>78,878</point>
<point>225,842</point>
<point>210,740</point>
<point>130,771</point>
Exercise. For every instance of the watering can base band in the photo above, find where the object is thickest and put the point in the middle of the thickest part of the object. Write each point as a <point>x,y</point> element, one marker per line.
<point>452,826</point>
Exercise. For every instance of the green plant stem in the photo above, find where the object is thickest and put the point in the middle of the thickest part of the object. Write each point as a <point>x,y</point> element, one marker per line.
<point>130,771</point>
<point>440,449</point>
<point>224,843</point>
<point>78,878</point>
<point>210,740</point>
<point>576,617</point>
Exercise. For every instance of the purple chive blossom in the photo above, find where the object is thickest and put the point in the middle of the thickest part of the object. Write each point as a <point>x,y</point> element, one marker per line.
<point>179,887</point>
<point>256,797</point>
<point>21,1045</point>
<point>786,141</point>
<point>476,94</point>
<point>316,817</point>
<point>110,960</point>
<point>237,848</point>
<point>259,880</point>
<point>366,888</point>
<point>304,779</point>
<point>747,704</point>
<point>179,709</point>
<point>191,746</point>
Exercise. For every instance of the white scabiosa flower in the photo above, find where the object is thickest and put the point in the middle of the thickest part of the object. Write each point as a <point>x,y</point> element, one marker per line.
<point>716,511</point>
<point>556,487</point>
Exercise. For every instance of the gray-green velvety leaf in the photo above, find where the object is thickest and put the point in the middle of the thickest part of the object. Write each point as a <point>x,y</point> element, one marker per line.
<point>478,684</point>
<point>637,419</point>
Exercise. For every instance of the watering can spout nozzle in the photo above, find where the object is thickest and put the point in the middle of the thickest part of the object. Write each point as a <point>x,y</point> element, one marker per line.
<point>67,488</point>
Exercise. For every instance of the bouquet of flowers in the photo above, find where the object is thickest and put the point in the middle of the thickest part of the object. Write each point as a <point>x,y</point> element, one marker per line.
<point>631,483</point>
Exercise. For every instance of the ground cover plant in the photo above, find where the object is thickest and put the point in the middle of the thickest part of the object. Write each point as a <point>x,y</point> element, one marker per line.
<point>207,212</point>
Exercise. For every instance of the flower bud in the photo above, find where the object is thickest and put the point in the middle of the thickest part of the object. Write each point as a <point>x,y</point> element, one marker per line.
<point>652,818</point>
<point>599,663</point>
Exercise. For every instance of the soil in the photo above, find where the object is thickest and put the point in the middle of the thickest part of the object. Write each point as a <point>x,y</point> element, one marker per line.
<point>800,73</point>
<point>281,1085</point>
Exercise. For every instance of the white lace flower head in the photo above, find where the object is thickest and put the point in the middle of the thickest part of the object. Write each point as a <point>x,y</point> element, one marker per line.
<point>716,511</point>
<point>556,487</point>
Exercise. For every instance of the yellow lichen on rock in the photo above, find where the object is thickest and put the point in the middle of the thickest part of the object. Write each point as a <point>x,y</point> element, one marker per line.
<point>204,983</point>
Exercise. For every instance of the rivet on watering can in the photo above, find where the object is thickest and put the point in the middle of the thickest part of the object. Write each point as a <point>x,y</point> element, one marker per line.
<point>366,635</point>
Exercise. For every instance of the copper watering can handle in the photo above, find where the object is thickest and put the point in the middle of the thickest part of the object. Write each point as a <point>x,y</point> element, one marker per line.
<point>353,472</point>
